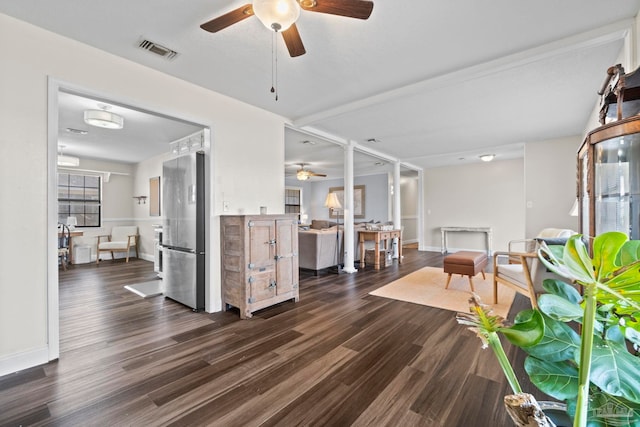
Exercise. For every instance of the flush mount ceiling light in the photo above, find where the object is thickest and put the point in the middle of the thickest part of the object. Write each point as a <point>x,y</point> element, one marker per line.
<point>487,157</point>
<point>103,118</point>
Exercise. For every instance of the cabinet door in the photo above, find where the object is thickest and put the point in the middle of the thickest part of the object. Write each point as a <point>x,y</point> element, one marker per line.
<point>287,252</point>
<point>262,285</point>
<point>262,244</point>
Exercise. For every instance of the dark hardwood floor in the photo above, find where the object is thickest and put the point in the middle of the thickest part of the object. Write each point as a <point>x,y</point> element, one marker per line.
<point>338,357</point>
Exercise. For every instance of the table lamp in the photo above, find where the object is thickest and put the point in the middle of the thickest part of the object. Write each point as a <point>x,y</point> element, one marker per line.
<point>72,221</point>
<point>333,203</point>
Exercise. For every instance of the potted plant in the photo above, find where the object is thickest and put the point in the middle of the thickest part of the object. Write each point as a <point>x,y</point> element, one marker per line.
<point>582,346</point>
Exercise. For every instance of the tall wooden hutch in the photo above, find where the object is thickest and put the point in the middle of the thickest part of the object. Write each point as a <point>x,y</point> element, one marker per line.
<point>609,161</point>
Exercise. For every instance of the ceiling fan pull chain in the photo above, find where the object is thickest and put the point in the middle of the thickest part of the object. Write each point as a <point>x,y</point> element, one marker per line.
<point>274,64</point>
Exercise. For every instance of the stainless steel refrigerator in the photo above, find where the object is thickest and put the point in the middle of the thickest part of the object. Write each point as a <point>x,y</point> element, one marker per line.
<point>183,229</point>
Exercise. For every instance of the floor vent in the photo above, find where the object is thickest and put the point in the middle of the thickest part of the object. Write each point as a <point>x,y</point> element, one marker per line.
<point>158,49</point>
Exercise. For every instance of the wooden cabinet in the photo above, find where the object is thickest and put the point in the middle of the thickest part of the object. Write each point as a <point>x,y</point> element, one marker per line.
<point>609,179</point>
<point>259,261</point>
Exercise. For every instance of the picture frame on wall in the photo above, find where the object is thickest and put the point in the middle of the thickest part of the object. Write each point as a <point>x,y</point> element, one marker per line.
<point>358,201</point>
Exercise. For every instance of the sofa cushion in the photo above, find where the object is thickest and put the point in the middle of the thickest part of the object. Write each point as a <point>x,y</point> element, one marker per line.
<point>320,224</point>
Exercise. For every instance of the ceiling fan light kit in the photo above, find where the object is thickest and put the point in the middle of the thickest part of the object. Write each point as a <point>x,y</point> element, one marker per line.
<point>302,175</point>
<point>103,119</point>
<point>276,15</point>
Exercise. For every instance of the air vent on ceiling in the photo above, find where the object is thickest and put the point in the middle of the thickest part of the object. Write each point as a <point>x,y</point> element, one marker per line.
<point>158,49</point>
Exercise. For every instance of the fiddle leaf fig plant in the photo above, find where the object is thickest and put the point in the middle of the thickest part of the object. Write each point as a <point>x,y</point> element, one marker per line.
<point>587,354</point>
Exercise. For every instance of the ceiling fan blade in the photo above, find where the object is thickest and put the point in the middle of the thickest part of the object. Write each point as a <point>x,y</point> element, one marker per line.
<point>317,174</point>
<point>359,9</point>
<point>293,41</point>
<point>222,22</point>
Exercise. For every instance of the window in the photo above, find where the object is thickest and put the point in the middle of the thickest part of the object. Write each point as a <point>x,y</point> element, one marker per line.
<point>79,196</point>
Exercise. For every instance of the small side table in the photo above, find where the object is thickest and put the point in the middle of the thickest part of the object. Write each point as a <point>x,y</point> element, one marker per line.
<point>377,236</point>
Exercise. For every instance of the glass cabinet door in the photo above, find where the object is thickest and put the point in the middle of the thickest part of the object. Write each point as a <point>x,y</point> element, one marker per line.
<point>609,179</point>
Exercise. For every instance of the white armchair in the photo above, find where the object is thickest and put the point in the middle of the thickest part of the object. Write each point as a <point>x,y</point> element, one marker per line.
<point>121,239</point>
<point>524,272</point>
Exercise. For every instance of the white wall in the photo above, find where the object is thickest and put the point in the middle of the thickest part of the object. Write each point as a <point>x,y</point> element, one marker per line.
<point>550,184</point>
<point>144,171</point>
<point>474,195</point>
<point>409,208</point>
<point>376,196</point>
<point>30,57</point>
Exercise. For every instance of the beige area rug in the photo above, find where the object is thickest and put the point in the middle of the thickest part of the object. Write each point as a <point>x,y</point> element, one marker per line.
<point>426,287</point>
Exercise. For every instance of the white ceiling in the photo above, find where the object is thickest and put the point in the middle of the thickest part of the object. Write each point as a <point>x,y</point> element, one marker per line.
<point>431,81</point>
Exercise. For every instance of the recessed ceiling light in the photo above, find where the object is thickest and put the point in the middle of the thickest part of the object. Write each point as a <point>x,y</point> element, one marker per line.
<point>487,157</point>
<point>77,131</point>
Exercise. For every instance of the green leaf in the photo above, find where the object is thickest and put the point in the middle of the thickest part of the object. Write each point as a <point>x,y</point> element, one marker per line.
<point>559,342</point>
<point>562,289</point>
<point>629,253</point>
<point>528,329</point>
<point>559,308</point>
<point>576,259</point>
<point>605,250</point>
<point>557,379</point>
<point>616,371</point>
<point>572,263</point>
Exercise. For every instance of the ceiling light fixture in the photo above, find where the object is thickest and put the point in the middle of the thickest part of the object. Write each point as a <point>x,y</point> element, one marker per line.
<point>103,118</point>
<point>487,157</point>
<point>303,175</point>
<point>276,15</point>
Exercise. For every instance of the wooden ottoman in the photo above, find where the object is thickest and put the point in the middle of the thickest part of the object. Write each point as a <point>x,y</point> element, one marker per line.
<point>465,263</point>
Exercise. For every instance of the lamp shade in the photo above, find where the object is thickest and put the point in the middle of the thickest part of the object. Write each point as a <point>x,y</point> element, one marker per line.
<point>104,119</point>
<point>276,15</point>
<point>332,201</point>
<point>72,221</point>
<point>574,208</point>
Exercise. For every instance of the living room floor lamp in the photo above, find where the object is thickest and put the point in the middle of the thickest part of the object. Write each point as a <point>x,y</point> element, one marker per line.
<point>334,204</point>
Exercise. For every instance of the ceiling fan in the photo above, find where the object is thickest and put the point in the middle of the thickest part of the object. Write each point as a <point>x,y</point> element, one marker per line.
<point>303,174</point>
<point>280,16</point>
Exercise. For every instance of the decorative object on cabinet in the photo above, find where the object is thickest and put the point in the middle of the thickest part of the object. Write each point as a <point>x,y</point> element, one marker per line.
<point>358,200</point>
<point>620,91</point>
<point>609,161</point>
<point>259,261</point>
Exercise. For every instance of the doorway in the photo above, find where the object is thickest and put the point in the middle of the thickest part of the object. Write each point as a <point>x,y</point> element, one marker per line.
<point>124,161</point>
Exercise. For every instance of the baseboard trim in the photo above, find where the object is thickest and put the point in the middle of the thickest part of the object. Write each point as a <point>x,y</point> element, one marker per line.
<point>24,360</point>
